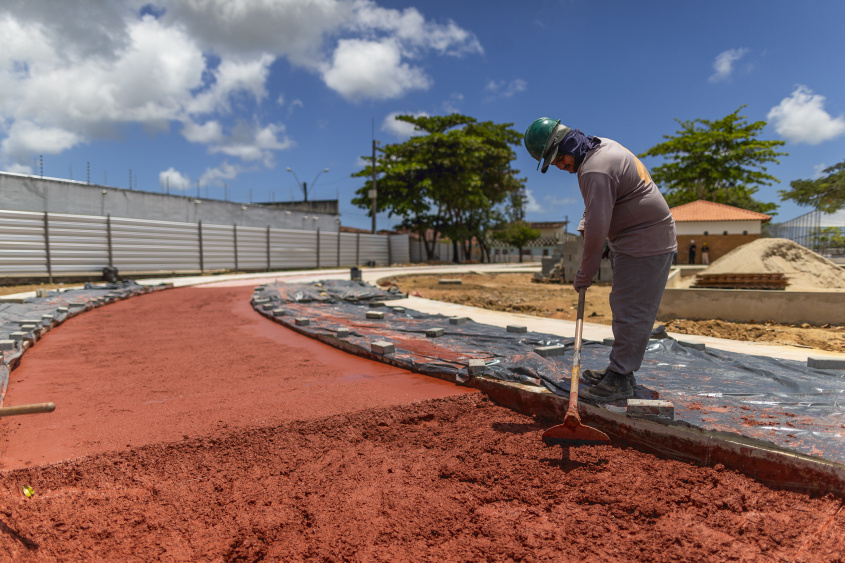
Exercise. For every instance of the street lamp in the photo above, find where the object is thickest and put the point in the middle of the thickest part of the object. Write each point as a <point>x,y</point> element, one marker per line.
<point>304,185</point>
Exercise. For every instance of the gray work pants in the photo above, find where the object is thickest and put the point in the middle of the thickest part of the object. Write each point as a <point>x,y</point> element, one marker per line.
<point>638,284</point>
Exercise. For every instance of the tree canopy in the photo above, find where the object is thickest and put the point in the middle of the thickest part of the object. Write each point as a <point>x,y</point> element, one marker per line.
<point>826,194</point>
<point>721,161</point>
<point>450,179</point>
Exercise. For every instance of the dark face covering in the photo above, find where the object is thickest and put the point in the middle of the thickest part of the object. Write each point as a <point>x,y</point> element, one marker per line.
<point>578,144</point>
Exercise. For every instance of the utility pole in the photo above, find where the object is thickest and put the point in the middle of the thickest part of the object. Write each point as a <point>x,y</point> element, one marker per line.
<point>373,191</point>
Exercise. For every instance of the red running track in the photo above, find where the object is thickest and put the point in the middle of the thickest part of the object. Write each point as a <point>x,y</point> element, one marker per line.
<point>183,363</point>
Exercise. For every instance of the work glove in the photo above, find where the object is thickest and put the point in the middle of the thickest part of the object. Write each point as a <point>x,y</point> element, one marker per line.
<point>581,281</point>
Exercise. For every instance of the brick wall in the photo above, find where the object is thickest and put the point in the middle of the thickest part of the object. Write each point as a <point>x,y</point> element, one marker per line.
<point>719,245</point>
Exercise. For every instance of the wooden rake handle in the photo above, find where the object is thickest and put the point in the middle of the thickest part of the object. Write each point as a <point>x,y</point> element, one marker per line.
<point>572,417</point>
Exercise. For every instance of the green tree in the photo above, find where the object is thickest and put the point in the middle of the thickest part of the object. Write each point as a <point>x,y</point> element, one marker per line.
<point>721,161</point>
<point>448,180</point>
<point>517,233</point>
<point>826,194</point>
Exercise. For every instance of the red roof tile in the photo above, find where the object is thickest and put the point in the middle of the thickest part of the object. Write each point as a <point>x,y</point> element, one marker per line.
<point>702,210</point>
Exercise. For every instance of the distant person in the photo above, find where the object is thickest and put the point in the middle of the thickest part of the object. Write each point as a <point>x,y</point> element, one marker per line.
<point>692,252</point>
<point>623,205</point>
<point>705,254</point>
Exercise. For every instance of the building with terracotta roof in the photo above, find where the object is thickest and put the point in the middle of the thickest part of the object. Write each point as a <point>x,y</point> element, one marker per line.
<point>721,227</point>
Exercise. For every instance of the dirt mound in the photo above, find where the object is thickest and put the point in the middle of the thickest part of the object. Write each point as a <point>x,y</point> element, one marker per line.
<point>802,267</point>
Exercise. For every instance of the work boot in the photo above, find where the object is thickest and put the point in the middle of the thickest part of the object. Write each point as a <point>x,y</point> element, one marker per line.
<point>594,376</point>
<point>613,387</point>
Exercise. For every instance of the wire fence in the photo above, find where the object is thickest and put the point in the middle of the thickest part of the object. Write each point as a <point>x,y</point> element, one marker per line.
<point>823,233</point>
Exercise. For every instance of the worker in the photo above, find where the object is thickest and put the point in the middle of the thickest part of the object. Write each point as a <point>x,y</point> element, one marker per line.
<point>692,251</point>
<point>705,254</point>
<point>623,206</point>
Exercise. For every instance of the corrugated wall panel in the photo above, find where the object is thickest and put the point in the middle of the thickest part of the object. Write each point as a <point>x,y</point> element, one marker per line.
<point>348,245</point>
<point>293,249</point>
<point>78,243</point>
<point>374,247</point>
<point>139,245</point>
<point>252,248</point>
<point>328,249</point>
<point>218,247</point>
<point>400,251</point>
<point>22,248</point>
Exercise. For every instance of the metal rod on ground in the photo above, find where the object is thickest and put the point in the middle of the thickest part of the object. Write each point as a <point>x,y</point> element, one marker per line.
<point>36,408</point>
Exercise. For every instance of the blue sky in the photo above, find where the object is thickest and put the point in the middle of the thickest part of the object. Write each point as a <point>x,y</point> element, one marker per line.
<point>232,93</point>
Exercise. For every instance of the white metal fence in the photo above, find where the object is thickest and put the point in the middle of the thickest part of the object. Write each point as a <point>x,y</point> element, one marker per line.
<point>56,244</point>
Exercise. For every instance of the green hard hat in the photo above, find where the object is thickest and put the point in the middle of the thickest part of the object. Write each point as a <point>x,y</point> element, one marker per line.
<point>542,139</point>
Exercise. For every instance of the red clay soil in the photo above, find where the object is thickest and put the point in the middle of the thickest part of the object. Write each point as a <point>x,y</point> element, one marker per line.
<point>189,428</point>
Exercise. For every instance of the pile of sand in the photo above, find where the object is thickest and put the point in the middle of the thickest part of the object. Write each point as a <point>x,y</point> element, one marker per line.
<point>802,267</point>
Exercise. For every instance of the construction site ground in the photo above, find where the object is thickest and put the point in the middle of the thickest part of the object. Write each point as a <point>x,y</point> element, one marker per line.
<point>190,428</point>
<point>517,293</point>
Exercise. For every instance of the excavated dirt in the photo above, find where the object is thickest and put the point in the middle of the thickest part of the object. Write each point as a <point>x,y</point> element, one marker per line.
<point>517,293</point>
<point>190,428</point>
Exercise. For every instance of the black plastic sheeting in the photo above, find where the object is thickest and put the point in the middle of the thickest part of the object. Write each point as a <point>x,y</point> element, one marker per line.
<point>780,401</point>
<point>54,308</point>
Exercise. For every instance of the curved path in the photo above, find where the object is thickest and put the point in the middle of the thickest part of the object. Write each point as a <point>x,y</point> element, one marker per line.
<point>184,362</point>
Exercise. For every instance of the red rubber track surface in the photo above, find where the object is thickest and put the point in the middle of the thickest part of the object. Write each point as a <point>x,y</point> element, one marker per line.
<point>188,427</point>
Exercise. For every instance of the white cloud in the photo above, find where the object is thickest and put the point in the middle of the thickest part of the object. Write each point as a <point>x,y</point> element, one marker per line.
<point>216,176</point>
<point>303,32</point>
<point>452,105</point>
<point>724,63</point>
<point>410,27</point>
<point>504,89</point>
<point>801,118</point>
<point>26,138</point>
<point>294,29</point>
<point>818,170</point>
<point>19,168</point>
<point>551,202</point>
<point>233,77</point>
<point>251,142</point>
<point>369,69</point>
<point>400,129</point>
<point>82,70</point>
<point>531,205</point>
<point>208,132</point>
<point>172,179</point>
<point>295,104</point>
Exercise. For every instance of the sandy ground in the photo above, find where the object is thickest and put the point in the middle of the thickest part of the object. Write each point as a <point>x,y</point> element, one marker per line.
<point>517,293</point>
<point>190,428</point>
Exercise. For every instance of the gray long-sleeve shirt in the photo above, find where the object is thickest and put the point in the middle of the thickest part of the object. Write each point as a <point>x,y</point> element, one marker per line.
<point>622,205</point>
